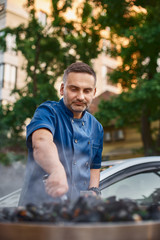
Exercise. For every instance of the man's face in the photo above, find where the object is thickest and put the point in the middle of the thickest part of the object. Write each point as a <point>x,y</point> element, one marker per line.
<point>78,92</point>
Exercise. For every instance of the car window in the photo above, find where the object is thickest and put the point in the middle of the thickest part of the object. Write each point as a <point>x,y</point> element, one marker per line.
<point>141,187</point>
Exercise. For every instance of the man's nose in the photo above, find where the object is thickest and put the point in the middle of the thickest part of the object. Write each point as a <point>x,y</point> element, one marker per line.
<point>80,95</point>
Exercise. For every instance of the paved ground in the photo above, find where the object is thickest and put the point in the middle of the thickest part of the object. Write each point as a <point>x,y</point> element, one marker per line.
<point>11,180</point>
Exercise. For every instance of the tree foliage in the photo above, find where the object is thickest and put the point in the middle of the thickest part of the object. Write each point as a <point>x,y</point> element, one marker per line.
<point>47,51</point>
<point>135,31</point>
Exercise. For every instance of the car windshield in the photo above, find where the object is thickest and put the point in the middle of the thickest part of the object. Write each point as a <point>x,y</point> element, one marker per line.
<point>142,188</point>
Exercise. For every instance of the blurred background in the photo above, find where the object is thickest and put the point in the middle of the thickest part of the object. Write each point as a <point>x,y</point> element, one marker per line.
<point>119,39</point>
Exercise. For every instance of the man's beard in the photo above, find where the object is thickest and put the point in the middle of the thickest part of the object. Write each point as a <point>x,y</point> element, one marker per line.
<point>79,108</point>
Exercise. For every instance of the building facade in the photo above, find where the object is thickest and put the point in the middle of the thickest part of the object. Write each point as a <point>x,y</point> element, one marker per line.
<point>13,13</point>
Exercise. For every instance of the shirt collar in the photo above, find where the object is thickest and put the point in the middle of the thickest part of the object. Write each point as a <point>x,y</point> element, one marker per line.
<point>69,112</point>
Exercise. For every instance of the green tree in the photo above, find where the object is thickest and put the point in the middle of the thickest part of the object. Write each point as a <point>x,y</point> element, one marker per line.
<point>48,50</point>
<point>135,35</point>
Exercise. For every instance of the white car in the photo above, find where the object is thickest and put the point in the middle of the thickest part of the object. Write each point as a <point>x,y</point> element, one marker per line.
<point>137,179</point>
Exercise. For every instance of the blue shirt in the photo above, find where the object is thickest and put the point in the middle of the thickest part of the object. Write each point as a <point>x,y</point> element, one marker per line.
<point>79,143</point>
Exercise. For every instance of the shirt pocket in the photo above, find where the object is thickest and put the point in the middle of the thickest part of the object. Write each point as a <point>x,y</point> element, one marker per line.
<point>94,148</point>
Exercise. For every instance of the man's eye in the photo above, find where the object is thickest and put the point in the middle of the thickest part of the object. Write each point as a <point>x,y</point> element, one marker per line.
<point>73,89</point>
<point>87,90</point>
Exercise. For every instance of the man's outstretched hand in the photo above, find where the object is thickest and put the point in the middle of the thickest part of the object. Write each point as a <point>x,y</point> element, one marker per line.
<point>56,185</point>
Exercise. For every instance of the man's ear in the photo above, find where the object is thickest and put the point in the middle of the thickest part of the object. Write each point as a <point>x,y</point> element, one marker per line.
<point>62,89</point>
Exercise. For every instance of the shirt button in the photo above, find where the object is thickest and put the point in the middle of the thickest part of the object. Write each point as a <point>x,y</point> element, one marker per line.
<point>74,162</point>
<point>72,121</point>
<point>86,164</point>
<point>75,141</point>
<point>83,123</point>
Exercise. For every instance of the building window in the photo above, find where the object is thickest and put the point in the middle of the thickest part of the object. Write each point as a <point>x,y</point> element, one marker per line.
<point>113,135</point>
<point>1,75</point>
<point>11,44</point>
<point>108,71</point>
<point>107,137</point>
<point>10,76</point>
<point>42,18</point>
<point>118,135</point>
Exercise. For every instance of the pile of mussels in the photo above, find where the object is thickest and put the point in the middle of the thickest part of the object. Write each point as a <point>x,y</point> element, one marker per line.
<point>85,209</point>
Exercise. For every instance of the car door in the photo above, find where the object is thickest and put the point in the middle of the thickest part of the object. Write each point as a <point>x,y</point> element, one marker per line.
<point>140,183</point>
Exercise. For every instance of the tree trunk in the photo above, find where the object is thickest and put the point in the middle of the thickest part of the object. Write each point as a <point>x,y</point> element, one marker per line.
<point>158,141</point>
<point>146,134</point>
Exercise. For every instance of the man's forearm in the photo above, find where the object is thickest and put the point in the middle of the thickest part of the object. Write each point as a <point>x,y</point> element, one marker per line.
<point>46,155</point>
<point>45,151</point>
<point>94,178</point>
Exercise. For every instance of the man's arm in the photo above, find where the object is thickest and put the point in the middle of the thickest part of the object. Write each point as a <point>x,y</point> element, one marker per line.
<point>94,178</point>
<point>46,155</point>
<point>94,181</point>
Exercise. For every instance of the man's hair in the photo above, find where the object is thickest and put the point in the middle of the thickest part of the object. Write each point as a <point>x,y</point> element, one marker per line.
<point>79,67</point>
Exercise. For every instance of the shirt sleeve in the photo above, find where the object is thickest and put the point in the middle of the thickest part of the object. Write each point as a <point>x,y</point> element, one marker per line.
<point>96,163</point>
<point>44,117</point>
